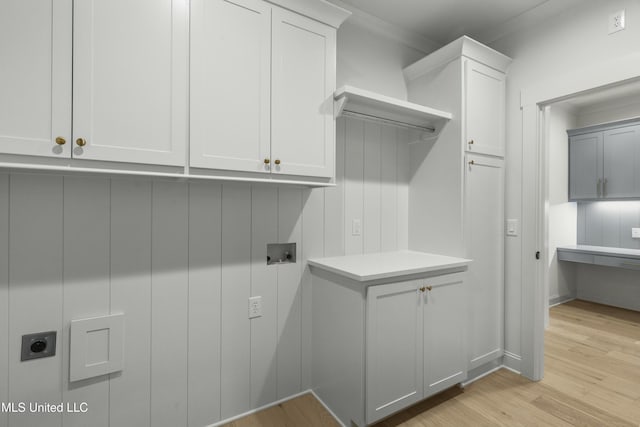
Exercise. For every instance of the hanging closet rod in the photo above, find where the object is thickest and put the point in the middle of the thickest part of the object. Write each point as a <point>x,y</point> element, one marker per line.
<point>370,117</point>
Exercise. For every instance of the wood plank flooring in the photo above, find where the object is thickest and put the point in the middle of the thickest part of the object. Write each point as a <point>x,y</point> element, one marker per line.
<point>592,378</point>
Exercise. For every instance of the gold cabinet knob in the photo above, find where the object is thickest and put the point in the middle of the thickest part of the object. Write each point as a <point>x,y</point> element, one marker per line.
<point>426,288</point>
<point>267,161</point>
<point>277,162</point>
<point>472,163</point>
<point>471,142</point>
<point>60,140</point>
<point>429,288</point>
<point>422,289</point>
<point>81,142</point>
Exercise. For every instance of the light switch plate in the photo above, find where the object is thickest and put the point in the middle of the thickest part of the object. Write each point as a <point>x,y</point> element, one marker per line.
<point>635,233</point>
<point>512,227</point>
<point>255,307</point>
<point>356,227</point>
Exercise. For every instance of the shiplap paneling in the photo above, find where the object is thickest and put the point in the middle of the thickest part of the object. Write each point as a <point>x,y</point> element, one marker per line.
<point>334,212</point>
<point>389,190</point>
<point>235,342</point>
<point>353,184</point>
<point>608,223</point>
<point>264,283</point>
<point>35,282</point>
<point>373,161</point>
<point>180,260</point>
<point>289,363</point>
<point>4,294</point>
<point>169,302</point>
<point>205,255</point>
<point>130,398</point>
<point>86,286</point>
<point>403,176</point>
<point>313,233</point>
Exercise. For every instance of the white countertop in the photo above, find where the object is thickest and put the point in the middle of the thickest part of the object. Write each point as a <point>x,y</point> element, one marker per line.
<point>602,250</point>
<point>386,265</point>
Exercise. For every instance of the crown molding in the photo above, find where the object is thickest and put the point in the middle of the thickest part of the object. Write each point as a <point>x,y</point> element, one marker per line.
<point>394,32</point>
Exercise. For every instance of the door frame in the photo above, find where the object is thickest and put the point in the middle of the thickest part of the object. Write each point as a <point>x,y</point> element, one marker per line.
<point>534,103</point>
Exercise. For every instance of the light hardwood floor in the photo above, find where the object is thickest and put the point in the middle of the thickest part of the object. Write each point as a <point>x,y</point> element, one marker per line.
<point>592,378</point>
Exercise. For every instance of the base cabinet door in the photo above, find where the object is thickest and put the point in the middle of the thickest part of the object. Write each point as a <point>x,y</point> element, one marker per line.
<point>484,186</point>
<point>444,332</point>
<point>394,361</point>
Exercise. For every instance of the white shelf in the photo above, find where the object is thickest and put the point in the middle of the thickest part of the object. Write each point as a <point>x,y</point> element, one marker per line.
<point>351,101</point>
<point>387,265</point>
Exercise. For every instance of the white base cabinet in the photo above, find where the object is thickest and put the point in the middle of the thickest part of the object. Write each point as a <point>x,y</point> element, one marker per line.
<point>383,345</point>
<point>415,341</point>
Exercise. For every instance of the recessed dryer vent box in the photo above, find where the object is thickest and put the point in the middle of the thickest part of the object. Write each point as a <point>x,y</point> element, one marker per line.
<point>281,253</point>
<point>97,346</point>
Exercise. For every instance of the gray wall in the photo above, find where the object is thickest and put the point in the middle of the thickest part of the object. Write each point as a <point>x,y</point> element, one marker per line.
<point>608,224</point>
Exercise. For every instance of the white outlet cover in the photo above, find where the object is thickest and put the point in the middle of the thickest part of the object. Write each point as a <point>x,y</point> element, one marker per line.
<point>617,21</point>
<point>635,233</point>
<point>356,227</point>
<point>255,307</point>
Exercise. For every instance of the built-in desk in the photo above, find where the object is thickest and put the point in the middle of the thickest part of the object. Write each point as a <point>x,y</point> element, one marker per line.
<point>601,255</point>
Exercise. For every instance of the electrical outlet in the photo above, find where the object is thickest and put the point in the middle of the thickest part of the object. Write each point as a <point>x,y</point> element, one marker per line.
<point>512,227</point>
<point>616,21</point>
<point>356,227</point>
<point>635,233</point>
<point>255,307</point>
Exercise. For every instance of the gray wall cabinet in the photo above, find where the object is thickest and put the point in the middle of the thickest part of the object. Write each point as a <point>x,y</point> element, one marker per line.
<point>604,161</point>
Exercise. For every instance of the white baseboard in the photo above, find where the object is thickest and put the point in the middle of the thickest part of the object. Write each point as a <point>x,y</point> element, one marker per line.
<point>335,417</point>
<point>512,362</point>
<point>561,300</point>
<point>269,405</point>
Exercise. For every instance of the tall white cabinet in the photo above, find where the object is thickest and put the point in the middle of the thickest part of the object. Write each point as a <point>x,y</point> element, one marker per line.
<point>456,203</point>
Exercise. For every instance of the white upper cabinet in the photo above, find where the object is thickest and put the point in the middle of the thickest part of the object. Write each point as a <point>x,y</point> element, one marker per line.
<point>303,133</point>
<point>35,77</point>
<point>129,79</point>
<point>130,60</point>
<point>230,84</point>
<point>484,109</point>
<point>262,82</point>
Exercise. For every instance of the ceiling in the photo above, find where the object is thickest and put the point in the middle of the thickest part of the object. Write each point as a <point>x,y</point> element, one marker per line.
<point>442,21</point>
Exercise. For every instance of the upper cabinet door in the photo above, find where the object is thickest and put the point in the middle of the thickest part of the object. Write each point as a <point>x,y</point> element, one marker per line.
<point>230,84</point>
<point>303,81</point>
<point>585,166</point>
<point>484,109</point>
<point>621,163</point>
<point>130,80</point>
<point>35,77</point>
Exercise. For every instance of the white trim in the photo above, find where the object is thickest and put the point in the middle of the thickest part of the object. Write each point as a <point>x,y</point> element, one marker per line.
<point>393,32</point>
<point>267,406</point>
<point>600,75</point>
<point>489,372</point>
<point>319,10</point>
<point>561,300</point>
<point>511,370</point>
<point>66,170</point>
<point>327,408</point>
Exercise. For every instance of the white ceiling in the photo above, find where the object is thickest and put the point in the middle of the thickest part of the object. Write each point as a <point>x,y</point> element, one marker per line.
<point>442,21</point>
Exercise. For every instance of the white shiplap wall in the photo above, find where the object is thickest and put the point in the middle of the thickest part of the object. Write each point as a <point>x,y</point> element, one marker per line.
<point>181,260</point>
